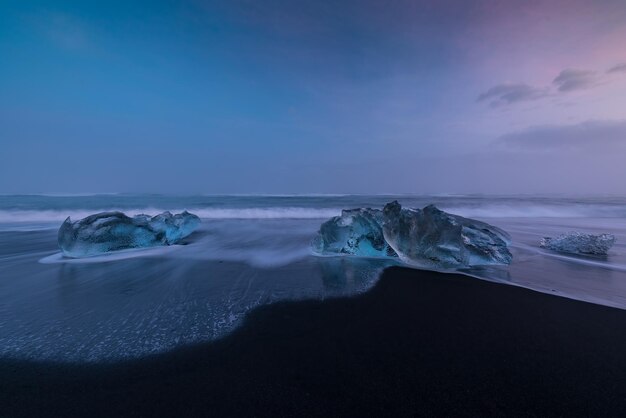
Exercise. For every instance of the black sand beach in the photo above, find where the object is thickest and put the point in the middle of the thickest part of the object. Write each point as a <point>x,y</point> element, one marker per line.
<point>418,344</point>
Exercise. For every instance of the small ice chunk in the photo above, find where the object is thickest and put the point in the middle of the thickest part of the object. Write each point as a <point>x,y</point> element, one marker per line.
<point>175,227</point>
<point>112,231</point>
<point>430,237</point>
<point>579,243</point>
<point>355,232</point>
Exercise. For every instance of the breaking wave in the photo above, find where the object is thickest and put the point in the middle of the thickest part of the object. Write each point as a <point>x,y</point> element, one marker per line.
<point>12,216</point>
<point>487,211</point>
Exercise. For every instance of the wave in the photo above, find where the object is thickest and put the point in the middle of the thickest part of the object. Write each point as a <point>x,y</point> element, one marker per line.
<point>25,216</point>
<point>268,213</point>
<point>487,210</point>
<point>536,211</point>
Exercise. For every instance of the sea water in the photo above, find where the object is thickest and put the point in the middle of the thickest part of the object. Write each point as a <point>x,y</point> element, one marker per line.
<point>249,251</point>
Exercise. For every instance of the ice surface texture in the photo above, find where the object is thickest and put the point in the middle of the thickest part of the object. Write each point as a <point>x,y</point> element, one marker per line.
<point>426,237</point>
<point>579,243</point>
<point>355,232</point>
<point>111,231</point>
<point>432,237</point>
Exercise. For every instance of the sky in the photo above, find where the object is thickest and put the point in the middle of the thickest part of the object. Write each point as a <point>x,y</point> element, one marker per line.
<point>345,96</point>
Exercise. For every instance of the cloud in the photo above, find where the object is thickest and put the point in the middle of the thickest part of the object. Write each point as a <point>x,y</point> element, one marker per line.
<point>593,135</point>
<point>503,94</point>
<point>570,79</point>
<point>620,68</point>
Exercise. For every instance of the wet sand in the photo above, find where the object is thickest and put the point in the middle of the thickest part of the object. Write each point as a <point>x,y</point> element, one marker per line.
<point>418,344</point>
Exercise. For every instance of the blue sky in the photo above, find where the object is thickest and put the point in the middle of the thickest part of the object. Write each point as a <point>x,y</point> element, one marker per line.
<point>313,97</point>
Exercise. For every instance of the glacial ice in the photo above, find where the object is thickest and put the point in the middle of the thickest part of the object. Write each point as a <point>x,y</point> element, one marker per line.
<point>579,243</point>
<point>433,238</point>
<point>426,237</point>
<point>111,231</point>
<point>356,232</point>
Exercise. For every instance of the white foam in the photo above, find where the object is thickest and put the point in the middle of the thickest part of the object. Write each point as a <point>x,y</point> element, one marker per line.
<point>268,213</point>
<point>110,256</point>
<point>32,216</point>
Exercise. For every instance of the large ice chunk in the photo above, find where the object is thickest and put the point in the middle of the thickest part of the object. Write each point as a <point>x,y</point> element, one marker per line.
<point>427,237</point>
<point>355,232</point>
<point>111,231</point>
<point>433,238</point>
<point>579,243</point>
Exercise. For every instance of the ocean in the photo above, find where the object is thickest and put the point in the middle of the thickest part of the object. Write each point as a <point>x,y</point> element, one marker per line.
<point>251,250</point>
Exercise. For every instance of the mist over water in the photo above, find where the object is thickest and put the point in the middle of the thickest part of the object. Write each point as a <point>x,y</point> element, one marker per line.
<point>249,251</point>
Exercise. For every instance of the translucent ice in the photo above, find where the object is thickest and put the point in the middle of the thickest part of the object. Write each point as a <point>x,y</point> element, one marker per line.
<point>111,231</point>
<point>579,243</point>
<point>427,237</point>
<point>433,238</point>
<point>175,227</point>
<point>355,232</point>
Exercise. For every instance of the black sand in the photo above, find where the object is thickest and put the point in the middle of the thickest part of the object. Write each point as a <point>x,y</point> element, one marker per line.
<point>418,344</point>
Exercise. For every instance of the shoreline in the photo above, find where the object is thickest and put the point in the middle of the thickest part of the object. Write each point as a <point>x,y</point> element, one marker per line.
<point>417,343</point>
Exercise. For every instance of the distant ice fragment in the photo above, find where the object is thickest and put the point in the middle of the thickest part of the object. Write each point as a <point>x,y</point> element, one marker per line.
<point>356,232</point>
<point>579,243</point>
<point>112,231</point>
<point>426,237</point>
<point>430,237</point>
